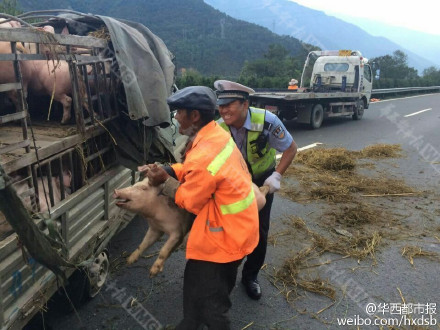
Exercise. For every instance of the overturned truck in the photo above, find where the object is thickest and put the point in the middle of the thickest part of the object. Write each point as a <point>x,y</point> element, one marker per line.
<point>82,103</point>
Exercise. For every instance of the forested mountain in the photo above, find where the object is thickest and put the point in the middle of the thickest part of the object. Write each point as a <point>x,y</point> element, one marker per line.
<point>315,27</point>
<point>425,44</point>
<point>200,36</point>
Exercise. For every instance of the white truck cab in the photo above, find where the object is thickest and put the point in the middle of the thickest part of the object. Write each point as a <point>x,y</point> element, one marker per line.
<point>334,83</point>
<point>343,70</point>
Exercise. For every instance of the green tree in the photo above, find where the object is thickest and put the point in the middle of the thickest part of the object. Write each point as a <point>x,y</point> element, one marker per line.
<point>192,77</point>
<point>431,76</point>
<point>274,70</point>
<point>394,71</point>
<point>10,7</point>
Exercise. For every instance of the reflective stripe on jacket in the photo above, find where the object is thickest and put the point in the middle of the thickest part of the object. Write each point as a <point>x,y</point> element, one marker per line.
<point>259,156</point>
<point>216,186</point>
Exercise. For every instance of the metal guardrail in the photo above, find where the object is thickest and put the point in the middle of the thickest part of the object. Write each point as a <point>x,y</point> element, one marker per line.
<point>374,92</point>
<point>404,90</point>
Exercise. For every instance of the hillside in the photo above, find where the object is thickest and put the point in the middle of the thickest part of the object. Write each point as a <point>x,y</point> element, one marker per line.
<point>423,44</point>
<point>285,17</point>
<point>199,36</point>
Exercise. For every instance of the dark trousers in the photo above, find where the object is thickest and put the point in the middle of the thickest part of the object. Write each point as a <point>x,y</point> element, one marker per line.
<point>206,289</point>
<point>255,260</point>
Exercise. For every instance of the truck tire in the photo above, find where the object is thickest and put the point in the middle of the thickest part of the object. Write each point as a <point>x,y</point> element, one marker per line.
<point>84,284</point>
<point>97,273</point>
<point>359,111</point>
<point>316,116</point>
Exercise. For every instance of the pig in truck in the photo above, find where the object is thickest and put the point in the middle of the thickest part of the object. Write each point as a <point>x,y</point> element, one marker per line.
<point>81,162</point>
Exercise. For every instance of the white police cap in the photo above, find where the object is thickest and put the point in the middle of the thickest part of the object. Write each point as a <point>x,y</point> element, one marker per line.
<point>193,98</point>
<point>229,91</point>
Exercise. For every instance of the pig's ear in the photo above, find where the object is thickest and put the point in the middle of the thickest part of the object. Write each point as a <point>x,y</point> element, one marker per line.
<point>65,30</point>
<point>143,168</point>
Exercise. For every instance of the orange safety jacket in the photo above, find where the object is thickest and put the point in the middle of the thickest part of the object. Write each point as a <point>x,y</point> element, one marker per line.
<point>216,186</point>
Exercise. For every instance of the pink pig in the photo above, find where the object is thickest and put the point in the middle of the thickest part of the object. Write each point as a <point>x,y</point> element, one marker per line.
<point>163,216</point>
<point>41,77</point>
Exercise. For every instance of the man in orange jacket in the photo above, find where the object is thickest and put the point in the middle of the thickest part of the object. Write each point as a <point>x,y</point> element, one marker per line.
<point>213,182</point>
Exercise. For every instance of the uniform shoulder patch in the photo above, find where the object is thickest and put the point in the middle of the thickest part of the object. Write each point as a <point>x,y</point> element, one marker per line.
<point>278,132</point>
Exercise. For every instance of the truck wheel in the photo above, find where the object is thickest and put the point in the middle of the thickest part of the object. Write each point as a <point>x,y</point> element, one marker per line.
<point>316,116</point>
<point>97,274</point>
<point>359,111</point>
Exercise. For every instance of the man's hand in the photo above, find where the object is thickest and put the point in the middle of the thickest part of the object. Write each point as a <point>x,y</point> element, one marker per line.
<point>156,174</point>
<point>274,182</point>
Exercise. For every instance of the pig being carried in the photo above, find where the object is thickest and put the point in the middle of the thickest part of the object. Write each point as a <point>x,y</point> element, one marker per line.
<point>163,216</point>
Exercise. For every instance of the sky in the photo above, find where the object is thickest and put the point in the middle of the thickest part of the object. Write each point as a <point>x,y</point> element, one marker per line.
<point>421,15</point>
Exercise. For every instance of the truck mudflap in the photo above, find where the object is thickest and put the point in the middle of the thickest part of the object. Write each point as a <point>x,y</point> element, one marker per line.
<point>305,114</point>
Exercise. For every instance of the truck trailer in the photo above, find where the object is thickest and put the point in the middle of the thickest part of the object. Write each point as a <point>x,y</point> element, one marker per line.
<point>333,84</point>
<point>64,174</point>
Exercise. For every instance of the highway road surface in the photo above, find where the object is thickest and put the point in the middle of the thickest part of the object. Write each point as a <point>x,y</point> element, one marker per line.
<point>382,291</point>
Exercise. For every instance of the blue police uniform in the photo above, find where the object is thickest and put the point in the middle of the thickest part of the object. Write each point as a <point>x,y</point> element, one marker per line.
<point>258,139</point>
<point>278,138</point>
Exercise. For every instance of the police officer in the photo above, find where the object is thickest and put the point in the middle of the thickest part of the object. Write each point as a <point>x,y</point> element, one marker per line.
<point>258,134</point>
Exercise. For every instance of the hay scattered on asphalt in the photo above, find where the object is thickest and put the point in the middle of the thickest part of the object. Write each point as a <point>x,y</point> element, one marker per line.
<point>331,193</point>
<point>289,276</point>
<point>381,151</point>
<point>380,186</point>
<point>342,185</point>
<point>358,246</point>
<point>411,252</point>
<point>274,239</point>
<point>335,159</point>
<point>118,263</point>
<point>298,223</point>
<point>293,193</point>
<point>291,267</point>
<point>319,286</point>
<point>351,229</point>
<point>357,215</point>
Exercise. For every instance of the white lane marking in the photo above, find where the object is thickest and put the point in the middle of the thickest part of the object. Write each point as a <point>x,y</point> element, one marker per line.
<point>416,113</point>
<point>402,98</point>
<point>313,145</point>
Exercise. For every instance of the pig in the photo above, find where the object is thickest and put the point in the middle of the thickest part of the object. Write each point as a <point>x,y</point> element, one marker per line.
<point>67,180</point>
<point>9,24</point>
<point>31,48</point>
<point>22,186</point>
<point>163,216</point>
<point>47,76</point>
<point>42,78</point>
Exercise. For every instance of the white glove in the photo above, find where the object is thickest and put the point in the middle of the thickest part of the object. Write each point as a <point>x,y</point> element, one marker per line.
<point>274,182</point>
